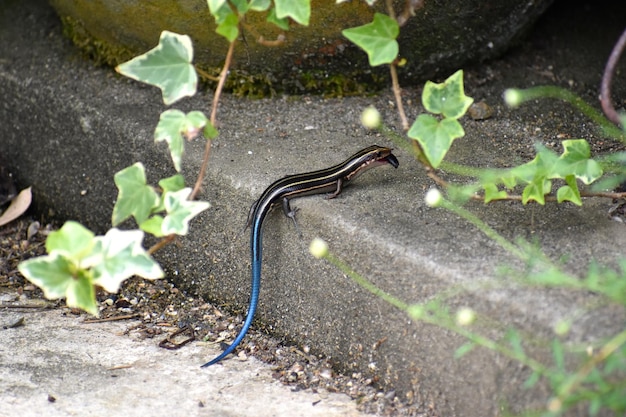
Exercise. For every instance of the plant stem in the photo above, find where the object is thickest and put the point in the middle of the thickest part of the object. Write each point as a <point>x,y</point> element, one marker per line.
<point>216,99</point>
<point>607,78</point>
<point>443,321</point>
<point>397,93</point>
<point>486,229</point>
<point>608,349</point>
<point>365,283</point>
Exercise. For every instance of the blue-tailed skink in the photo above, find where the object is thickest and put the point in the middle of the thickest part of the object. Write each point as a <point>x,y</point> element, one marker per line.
<point>280,192</point>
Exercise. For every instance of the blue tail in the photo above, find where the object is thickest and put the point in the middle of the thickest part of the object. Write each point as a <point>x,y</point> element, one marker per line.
<point>255,246</point>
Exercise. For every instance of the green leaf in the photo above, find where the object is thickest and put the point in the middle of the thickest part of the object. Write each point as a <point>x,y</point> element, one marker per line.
<point>173,124</point>
<point>575,161</point>
<point>281,23</point>
<point>434,136</point>
<point>259,5</point>
<point>537,190</point>
<point>173,183</point>
<point>82,294</point>
<point>73,241</point>
<point>492,193</point>
<point>118,255</point>
<point>215,5</point>
<point>58,277</point>
<point>229,27</point>
<point>167,66</point>
<point>51,273</point>
<point>569,192</point>
<point>180,211</point>
<point>447,98</point>
<point>135,198</point>
<point>298,10</point>
<point>153,226</point>
<point>210,132</point>
<point>377,39</point>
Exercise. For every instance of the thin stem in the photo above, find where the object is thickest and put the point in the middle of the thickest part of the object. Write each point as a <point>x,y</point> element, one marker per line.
<point>607,78</point>
<point>397,93</point>
<point>485,228</point>
<point>437,318</point>
<point>207,149</point>
<point>216,99</point>
<point>365,283</point>
<point>608,349</point>
<point>409,10</point>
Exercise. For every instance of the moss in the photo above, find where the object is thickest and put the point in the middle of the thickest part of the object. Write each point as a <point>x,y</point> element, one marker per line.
<point>99,51</point>
<point>240,82</point>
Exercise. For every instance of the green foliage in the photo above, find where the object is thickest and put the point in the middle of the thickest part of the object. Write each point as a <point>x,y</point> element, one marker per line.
<point>377,39</point>
<point>137,199</point>
<point>298,10</point>
<point>434,135</point>
<point>448,98</point>
<point>167,66</point>
<point>78,260</point>
<point>174,124</point>
<point>574,163</point>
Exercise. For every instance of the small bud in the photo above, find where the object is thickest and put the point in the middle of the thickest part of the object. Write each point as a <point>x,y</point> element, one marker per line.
<point>512,97</point>
<point>465,316</point>
<point>562,328</point>
<point>433,197</point>
<point>370,118</point>
<point>318,248</point>
<point>416,311</point>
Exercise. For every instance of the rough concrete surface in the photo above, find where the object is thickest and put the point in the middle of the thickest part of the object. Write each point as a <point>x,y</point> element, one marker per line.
<point>68,127</point>
<point>57,365</point>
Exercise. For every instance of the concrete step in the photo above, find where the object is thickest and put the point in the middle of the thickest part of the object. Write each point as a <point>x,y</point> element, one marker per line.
<point>67,127</point>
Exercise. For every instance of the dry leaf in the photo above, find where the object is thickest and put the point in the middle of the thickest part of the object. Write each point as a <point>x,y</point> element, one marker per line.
<point>18,206</point>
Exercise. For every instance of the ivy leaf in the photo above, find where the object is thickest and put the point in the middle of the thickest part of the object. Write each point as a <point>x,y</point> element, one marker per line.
<point>569,192</point>
<point>153,226</point>
<point>180,211</point>
<point>59,276</point>
<point>575,161</point>
<point>73,241</point>
<point>447,98</point>
<point>117,256</point>
<point>377,39</point>
<point>173,125</point>
<point>536,190</point>
<point>229,27</point>
<point>173,183</point>
<point>434,136</point>
<point>281,23</point>
<point>259,5</point>
<point>298,10</point>
<point>492,193</point>
<point>135,198</point>
<point>226,19</point>
<point>167,66</point>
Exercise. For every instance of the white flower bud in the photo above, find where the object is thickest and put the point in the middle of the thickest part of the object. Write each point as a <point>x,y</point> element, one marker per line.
<point>465,316</point>
<point>433,197</point>
<point>370,118</point>
<point>512,97</point>
<point>318,248</point>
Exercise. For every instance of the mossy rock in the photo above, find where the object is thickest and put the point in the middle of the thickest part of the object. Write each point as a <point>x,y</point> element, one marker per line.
<point>443,36</point>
